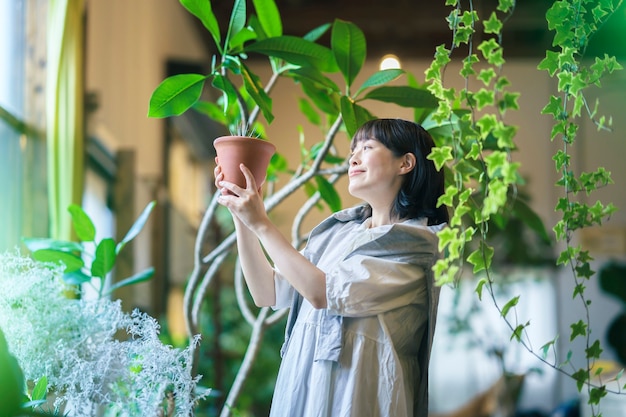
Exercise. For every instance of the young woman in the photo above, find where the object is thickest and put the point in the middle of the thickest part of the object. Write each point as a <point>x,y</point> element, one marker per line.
<point>363,302</point>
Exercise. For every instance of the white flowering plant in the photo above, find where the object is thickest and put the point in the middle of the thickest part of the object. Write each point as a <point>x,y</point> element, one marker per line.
<point>87,355</point>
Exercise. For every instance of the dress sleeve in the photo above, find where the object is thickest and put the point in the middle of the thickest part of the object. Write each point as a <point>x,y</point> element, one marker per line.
<point>283,290</point>
<point>363,286</point>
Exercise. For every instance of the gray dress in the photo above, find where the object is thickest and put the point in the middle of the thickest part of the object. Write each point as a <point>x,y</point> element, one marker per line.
<point>367,353</point>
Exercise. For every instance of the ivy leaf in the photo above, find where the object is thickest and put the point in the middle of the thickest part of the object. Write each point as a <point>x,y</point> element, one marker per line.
<point>479,287</point>
<point>440,155</point>
<point>546,348</point>
<point>481,258</point>
<point>493,25</point>
<point>596,394</point>
<point>83,226</point>
<point>594,351</point>
<point>580,376</point>
<point>105,258</point>
<point>578,329</point>
<point>550,63</point>
<point>510,304</point>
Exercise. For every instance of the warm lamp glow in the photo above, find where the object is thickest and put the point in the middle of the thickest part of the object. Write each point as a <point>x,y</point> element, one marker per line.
<point>389,61</point>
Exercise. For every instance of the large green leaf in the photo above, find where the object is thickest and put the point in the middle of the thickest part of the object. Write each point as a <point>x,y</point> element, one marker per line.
<point>136,227</point>
<point>313,75</point>
<point>105,258</point>
<point>403,96</point>
<point>380,78</point>
<point>296,51</point>
<point>202,10</point>
<point>253,86</point>
<point>328,103</point>
<point>269,17</point>
<point>71,261</point>
<point>83,226</point>
<point>353,115</point>
<point>349,49</point>
<point>176,94</point>
<point>237,21</point>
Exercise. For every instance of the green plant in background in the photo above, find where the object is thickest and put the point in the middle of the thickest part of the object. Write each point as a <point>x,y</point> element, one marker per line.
<point>86,351</point>
<point>479,153</point>
<point>101,254</point>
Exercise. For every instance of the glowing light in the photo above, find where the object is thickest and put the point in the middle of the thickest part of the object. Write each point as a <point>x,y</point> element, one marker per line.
<point>389,61</point>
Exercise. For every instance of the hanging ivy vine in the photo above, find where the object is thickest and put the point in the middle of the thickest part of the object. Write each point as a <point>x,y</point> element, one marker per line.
<point>485,178</point>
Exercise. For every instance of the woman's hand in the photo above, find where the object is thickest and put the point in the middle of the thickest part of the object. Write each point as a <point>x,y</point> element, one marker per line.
<point>246,204</point>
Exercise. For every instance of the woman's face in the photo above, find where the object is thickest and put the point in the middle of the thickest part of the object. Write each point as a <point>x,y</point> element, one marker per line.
<point>375,173</point>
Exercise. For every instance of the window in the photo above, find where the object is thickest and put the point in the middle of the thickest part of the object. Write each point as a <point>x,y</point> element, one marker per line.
<point>23,205</point>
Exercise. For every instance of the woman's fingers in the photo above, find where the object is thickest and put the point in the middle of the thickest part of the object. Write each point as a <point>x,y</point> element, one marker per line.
<point>250,181</point>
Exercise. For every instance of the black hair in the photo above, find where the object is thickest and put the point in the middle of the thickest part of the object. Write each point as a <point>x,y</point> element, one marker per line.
<point>424,184</point>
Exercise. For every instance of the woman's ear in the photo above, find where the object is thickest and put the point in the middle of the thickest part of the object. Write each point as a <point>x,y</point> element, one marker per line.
<point>408,163</point>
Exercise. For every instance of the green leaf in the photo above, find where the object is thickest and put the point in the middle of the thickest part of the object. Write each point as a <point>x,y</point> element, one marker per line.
<point>142,276</point>
<point>317,33</point>
<point>314,76</point>
<point>404,96</point>
<point>578,329</point>
<point>76,277</point>
<point>202,10</point>
<point>269,17</point>
<point>353,115</point>
<point>71,261</point>
<point>380,78</point>
<point>40,389</point>
<point>493,25</point>
<point>349,49</point>
<point>479,287</point>
<point>328,103</point>
<point>297,51</point>
<point>307,109</point>
<point>105,258</point>
<point>510,304</point>
<point>481,257</point>
<point>594,351</point>
<point>440,155</point>
<point>83,226</point>
<point>254,87</point>
<point>546,348</point>
<point>136,227</point>
<point>36,243</point>
<point>237,20</point>
<point>328,193</point>
<point>176,94</point>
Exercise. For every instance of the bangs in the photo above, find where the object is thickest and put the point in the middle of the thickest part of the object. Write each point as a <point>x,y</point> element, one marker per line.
<point>373,129</point>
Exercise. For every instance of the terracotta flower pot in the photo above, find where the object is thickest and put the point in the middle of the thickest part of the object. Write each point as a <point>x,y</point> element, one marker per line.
<point>252,152</point>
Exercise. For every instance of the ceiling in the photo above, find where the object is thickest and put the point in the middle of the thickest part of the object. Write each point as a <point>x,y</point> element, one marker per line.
<point>408,27</point>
